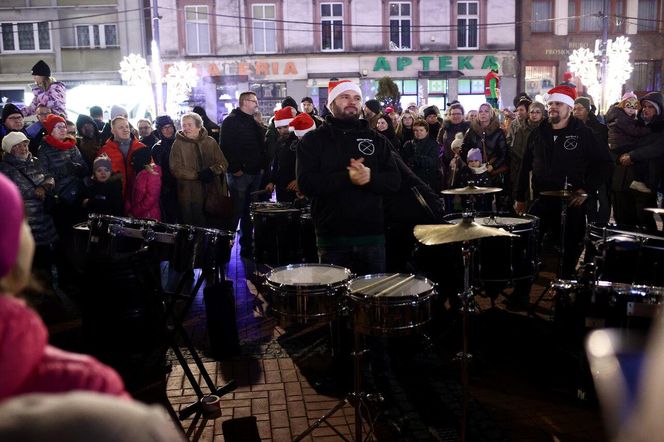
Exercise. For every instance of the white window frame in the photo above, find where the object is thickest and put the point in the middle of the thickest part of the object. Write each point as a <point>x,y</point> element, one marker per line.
<point>330,20</point>
<point>35,33</point>
<point>401,19</point>
<point>468,17</point>
<point>198,9</point>
<point>102,36</point>
<point>264,25</point>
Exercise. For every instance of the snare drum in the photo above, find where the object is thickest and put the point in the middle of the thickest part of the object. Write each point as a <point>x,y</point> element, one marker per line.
<point>623,255</point>
<point>390,304</point>
<point>306,293</point>
<point>200,248</point>
<point>276,233</point>
<point>113,234</point>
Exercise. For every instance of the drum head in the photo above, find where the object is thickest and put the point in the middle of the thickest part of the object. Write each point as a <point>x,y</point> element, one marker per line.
<point>390,287</point>
<point>308,275</point>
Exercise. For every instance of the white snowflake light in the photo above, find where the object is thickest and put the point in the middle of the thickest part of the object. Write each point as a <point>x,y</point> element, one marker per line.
<point>135,70</point>
<point>180,79</point>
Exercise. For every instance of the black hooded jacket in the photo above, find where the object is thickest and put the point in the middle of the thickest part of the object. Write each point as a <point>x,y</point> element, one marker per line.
<point>242,142</point>
<point>212,128</point>
<point>341,209</point>
<point>89,147</point>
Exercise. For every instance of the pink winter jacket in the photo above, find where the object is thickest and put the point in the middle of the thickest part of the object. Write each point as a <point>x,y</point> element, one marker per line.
<point>145,195</point>
<point>29,365</point>
<point>54,97</point>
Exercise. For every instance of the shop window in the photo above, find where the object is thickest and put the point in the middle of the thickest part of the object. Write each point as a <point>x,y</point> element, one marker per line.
<point>539,79</point>
<point>468,18</point>
<point>647,16</point>
<point>437,93</point>
<point>400,25</point>
<point>26,37</point>
<point>197,28</point>
<point>331,16</point>
<point>264,28</point>
<point>541,16</point>
<point>270,95</point>
<point>96,36</point>
<point>646,77</point>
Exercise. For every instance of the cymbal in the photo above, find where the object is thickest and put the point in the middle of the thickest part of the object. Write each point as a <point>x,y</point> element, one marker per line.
<point>562,193</point>
<point>656,210</point>
<point>435,234</point>
<point>471,190</point>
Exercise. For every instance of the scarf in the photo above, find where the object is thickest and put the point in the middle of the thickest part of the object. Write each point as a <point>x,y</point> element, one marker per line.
<point>65,144</point>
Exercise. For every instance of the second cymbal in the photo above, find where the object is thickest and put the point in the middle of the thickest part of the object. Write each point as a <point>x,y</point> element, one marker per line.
<point>471,190</point>
<point>435,234</point>
<point>656,210</point>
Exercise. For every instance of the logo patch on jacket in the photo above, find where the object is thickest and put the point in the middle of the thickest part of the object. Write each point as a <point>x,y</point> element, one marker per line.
<point>571,141</point>
<point>366,146</point>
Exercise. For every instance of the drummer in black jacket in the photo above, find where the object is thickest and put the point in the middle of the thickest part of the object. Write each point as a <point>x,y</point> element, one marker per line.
<point>346,169</point>
<point>562,152</point>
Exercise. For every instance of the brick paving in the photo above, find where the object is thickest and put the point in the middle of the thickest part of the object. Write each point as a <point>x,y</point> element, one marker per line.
<point>272,388</point>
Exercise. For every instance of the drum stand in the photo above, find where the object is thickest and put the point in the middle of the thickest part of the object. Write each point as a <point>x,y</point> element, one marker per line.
<point>357,398</point>
<point>207,405</point>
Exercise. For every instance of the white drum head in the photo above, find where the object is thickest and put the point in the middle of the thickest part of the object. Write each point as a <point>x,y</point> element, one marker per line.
<point>308,274</point>
<point>404,285</point>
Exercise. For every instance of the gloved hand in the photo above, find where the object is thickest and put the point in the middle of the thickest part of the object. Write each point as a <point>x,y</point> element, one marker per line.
<point>206,175</point>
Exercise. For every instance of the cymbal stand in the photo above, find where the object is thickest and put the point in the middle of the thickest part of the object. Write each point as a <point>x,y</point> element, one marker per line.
<point>467,306</point>
<point>357,398</point>
<point>563,225</point>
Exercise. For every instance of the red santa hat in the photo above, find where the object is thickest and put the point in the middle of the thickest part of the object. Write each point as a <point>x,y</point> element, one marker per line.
<point>302,124</point>
<point>336,88</point>
<point>563,94</point>
<point>283,117</point>
<point>567,76</point>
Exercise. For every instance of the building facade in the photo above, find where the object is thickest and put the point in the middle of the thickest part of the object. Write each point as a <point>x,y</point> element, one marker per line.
<point>550,31</point>
<point>435,51</point>
<point>83,41</point>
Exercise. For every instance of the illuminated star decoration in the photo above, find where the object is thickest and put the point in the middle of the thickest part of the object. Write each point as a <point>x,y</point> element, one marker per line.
<point>135,70</point>
<point>585,65</point>
<point>180,79</point>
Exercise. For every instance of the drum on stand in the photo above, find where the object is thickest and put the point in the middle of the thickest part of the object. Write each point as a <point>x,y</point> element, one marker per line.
<point>200,247</point>
<point>307,293</point>
<point>276,233</point>
<point>114,234</point>
<point>390,304</point>
<point>624,255</point>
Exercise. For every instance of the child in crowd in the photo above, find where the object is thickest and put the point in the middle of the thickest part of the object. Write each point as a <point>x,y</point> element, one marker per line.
<point>624,131</point>
<point>147,188</point>
<point>476,172</point>
<point>103,192</point>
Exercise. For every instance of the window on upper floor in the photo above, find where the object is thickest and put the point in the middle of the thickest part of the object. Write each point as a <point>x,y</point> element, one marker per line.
<point>647,16</point>
<point>400,25</point>
<point>468,18</point>
<point>541,16</point>
<point>197,29</point>
<point>264,27</point>
<point>25,37</point>
<point>646,76</point>
<point>588,13</point>
<point>96,36</point>
<point>332,23</point>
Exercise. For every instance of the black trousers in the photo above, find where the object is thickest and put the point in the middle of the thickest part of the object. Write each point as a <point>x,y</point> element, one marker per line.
<point>548,210</point>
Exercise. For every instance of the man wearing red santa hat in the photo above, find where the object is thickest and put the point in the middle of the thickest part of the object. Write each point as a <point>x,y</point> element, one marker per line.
<point>346,168</point>
<point>282,169</point>
<point>562,153</point>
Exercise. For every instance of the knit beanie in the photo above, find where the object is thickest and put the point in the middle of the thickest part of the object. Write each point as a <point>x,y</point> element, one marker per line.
<point>12,139</point>
<point>118,111</point>
<point>430,110</point>
<point>163,120</point>
<point>583,101</point>
<point>11,206</point>
<point>102,161</point>
<point>51,121</point>
<point>629,95</point>
<point>458,141</point>
<point>475,155</point>
<point>289,101</point>
<point>140,158</point>
<point>41,68</point>
<point>10,109</point>
<point>373,106</point>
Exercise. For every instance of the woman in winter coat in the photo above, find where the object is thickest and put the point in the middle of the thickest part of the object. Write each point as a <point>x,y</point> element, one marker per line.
<point>520,140</point>
<point>486,135</point>
<point>421,155</point>
<point>453,124</point>
<point>47,91</point>
<point>198,166</point>
<point>28,364</point>
<point>404,129</point>
<point>161,153</point>
<point>385,128</point>
<point>34,183</point>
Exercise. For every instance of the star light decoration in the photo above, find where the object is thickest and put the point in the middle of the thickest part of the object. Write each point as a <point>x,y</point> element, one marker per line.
<point>584,63</point>
<point>181,77</point>
<point>135,71</point>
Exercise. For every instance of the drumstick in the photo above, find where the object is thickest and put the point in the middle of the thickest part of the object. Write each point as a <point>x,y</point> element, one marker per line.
<point>395,286</point>
<point>379,282</point>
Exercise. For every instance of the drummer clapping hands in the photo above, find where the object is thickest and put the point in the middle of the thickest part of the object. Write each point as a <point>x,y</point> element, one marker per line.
<point>359,174</point>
